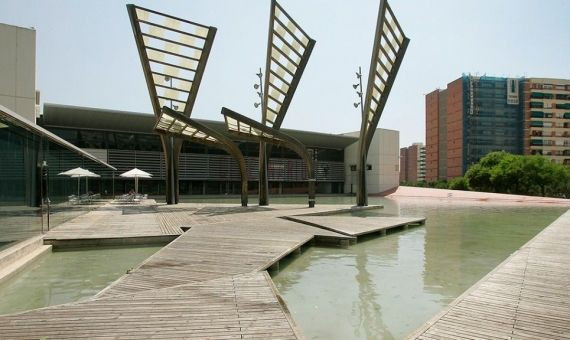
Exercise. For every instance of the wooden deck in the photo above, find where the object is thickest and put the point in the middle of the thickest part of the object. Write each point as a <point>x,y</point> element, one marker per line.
<point>210,282</point>
<point>358,226</point>
<point>526,297</point>
<point>116,224</point>
<point>211,251</point>
<point>233,307</point>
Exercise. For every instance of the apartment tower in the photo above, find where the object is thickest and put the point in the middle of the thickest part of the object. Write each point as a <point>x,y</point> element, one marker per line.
<point>470,118</point>
<point>413,163</point>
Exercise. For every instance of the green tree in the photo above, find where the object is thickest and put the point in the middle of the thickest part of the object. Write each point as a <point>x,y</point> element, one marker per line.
<point>516,174</point>
<point>459,183</point>
<point>506,175</point>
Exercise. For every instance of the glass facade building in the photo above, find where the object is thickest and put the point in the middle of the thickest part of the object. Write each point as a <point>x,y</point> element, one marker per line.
<point>127,140</point>
<point>30,160</point>
<point>472,117</point>
<point>493,122</point>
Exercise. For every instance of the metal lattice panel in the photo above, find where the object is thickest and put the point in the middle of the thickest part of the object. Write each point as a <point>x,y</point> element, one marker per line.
<point>390,45</point>
<point>288,51</point>
<point>174,125</point>
<point>174,53</point>
<point>243,128</point>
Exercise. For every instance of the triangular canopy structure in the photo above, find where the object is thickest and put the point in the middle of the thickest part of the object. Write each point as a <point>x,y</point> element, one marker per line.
<point>174,53</point>
<point>172,123</point>
<point>288,51</point>
<point>390,45</point>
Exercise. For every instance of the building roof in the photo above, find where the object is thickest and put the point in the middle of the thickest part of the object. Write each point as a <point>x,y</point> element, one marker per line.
<point>22,122</point>
<point>66,116</point>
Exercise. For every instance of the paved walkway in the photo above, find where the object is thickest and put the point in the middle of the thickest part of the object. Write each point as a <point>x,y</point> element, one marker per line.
<point>526,297</point>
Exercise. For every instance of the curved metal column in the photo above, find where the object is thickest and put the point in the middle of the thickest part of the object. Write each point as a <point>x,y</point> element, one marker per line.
<point>278,138</point>
<point>223,143</point>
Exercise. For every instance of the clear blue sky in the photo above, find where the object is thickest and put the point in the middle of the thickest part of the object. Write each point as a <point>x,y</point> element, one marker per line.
<point>86,54</point>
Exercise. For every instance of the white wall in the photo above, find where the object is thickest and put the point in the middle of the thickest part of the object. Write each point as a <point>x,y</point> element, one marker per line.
<point>18,70</point>
<point>383,155</point>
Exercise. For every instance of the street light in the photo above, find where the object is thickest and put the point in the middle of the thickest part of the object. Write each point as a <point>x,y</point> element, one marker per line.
<point>169,79</point>
<point>359,93</point>
<point>260,92</point>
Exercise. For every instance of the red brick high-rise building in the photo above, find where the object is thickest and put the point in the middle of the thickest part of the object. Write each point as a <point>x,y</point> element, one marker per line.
<point>413,163</point>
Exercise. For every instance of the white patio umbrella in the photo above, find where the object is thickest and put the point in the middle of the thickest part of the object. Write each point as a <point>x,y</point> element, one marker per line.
<point>136,174</point>
<point>78,173</point>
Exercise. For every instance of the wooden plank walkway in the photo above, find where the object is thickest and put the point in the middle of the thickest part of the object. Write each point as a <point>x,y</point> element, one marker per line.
<point>210,282</point>
<point>117,223</point>
<point>233,307</point>
<point>358,226</point>
<point>215,250</point>
<point>525,297</point>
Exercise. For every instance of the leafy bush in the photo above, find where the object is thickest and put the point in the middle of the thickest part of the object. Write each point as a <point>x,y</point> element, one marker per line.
<point>459,183</point>
<point>516,174</point>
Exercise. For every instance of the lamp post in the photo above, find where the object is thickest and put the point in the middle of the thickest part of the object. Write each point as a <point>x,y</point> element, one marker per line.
<point>358,88</point>
<point>260,92</point>
<point>263,186</point>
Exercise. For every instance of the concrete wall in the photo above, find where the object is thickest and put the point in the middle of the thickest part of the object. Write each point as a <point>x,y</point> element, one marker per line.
<point>18,70</point>
<point>383,156</point>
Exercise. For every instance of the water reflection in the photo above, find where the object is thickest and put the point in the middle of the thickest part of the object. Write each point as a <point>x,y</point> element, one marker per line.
<point>384,288</point>
<point>67,276</point>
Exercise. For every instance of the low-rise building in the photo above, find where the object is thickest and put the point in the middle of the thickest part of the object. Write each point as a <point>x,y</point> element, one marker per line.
<point>127,140</point>
<point>383,163</point>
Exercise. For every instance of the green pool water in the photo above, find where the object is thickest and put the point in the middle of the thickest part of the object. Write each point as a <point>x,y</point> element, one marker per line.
<point>67,276</point>
<point>386,287</point>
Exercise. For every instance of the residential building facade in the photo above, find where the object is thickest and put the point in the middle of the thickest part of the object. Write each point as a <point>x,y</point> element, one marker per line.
<point>547,118</point>
<point>473,116</point>
<point>413,163</point>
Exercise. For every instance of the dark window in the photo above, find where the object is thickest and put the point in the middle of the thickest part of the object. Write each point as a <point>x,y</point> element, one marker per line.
<point>148,143</point>
<point>92,139</point>
<point>125,141</point>
<point>67,134</point>
<point>189,147</point>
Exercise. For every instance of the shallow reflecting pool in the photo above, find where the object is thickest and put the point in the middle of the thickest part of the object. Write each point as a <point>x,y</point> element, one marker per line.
<point>67,276</point>
<point>386,287</point>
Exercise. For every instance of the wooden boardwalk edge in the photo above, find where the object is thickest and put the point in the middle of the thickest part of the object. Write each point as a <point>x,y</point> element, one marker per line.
<point>419,333</point>
<point>284,306</point>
